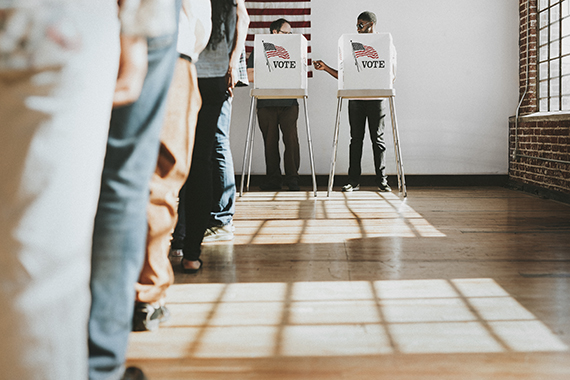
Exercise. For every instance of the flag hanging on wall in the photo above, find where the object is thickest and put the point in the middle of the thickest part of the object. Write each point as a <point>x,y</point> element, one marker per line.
<point>262,13</point>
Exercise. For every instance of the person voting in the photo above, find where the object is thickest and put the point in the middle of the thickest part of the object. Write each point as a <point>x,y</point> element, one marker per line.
<point>361,66</point>
<point>277,69</point>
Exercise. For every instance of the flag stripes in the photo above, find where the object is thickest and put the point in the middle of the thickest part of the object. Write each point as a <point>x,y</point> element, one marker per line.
<point>277,1</point>
<point>277,11</point>
<point>263,12</point>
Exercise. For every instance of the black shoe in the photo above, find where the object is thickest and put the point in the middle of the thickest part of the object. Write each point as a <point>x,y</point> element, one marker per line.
<point>148,317</point>
<point>270,187</point>
<point>350,187</point>
<point>134,373</point>
<point>190,270</point>
<point>294,186</point>
<point>384,187</point>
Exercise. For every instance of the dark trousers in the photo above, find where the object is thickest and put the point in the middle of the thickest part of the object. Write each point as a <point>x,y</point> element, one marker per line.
<point>197,199</point>
<point>271,119</point>
<point>358,112</point>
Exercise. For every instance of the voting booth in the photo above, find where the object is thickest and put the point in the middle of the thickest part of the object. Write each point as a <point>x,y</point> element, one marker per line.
<point>280,61</point>
<point>280,72</point>
<point>366,71</point>
<point>365,61</point>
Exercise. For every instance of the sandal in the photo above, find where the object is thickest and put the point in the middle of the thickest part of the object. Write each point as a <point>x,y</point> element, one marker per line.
<point>190,270</point>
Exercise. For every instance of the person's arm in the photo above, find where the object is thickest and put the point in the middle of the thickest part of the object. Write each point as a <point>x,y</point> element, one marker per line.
<point>133,63</point>
<point>242,24</point>
<point>320,65</point>
<point>139,20</point>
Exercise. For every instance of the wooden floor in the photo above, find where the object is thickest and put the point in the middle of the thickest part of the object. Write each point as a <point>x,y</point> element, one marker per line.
<point>448,283</point>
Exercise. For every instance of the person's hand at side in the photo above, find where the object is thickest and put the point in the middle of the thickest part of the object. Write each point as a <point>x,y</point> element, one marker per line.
<point>132,70</point>
<point>231,79</point>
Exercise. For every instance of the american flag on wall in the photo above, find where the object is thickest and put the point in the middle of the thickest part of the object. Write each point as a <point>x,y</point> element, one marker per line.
<point>262,13</point>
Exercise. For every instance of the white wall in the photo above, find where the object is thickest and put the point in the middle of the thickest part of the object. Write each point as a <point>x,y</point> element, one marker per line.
<point>456,86</point>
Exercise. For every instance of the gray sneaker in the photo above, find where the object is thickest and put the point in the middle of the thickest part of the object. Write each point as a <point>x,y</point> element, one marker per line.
<point>219,233</point>
<point>147,317</point>
<point>349,187</point>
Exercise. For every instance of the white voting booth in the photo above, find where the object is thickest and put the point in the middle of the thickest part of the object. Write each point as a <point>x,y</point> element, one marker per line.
<point>280,72</point>
<point>366,70</point>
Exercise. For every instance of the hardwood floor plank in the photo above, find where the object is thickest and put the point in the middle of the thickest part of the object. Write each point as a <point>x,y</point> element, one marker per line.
<point>448,283</point>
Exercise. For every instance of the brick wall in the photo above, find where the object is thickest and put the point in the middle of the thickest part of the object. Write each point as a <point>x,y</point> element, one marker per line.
<point>546,137</point>
<point>528,30</point>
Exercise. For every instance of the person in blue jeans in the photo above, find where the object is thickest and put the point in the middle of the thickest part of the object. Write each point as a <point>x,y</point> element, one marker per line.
<point>207,199</point>
<point>220,225</point>
<point>218,73</point>
<point>223,181</point>
<point>120,230</point>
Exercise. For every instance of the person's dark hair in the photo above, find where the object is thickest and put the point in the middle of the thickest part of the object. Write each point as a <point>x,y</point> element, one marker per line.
<point>277,24</point>
<point>368,16</point>
<point>220,12</point>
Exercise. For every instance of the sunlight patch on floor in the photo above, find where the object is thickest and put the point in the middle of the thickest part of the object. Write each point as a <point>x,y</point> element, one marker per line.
<point>343,318</point>
<point>302,218</point>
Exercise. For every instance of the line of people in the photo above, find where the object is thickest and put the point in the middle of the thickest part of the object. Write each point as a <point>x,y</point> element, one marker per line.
<point>85,159</point>
<point>115,133</point>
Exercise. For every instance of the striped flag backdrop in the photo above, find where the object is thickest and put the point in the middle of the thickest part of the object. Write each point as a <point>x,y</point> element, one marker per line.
<point>262,13</point>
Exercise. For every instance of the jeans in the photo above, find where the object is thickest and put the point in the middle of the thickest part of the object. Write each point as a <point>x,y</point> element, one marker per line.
<point>223,177</point>
<point>121,221</point>
<point>358,112</point>
<point>53,131</point>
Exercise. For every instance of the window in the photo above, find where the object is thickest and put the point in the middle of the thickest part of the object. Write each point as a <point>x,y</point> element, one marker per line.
<point>554,55</point>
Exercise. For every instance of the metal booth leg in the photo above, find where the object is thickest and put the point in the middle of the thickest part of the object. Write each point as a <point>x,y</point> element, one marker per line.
<point>310,142</point>
<point>335,145</point>
<point>397,149</point>
<point>250,159</point>
<point>247,144</point>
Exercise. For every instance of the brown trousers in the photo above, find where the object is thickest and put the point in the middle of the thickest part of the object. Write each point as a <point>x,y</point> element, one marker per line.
<point>173,166</point>
<point>271,119</point>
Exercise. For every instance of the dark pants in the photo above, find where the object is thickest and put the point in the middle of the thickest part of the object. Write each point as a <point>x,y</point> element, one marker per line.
<point>358,112</point>
<point>271,119</point>
<point>198,189</point>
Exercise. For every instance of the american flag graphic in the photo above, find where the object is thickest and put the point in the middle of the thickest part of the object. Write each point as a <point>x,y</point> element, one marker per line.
<point>361,50</point>
<point>262,13</point>
<point>272,50</point>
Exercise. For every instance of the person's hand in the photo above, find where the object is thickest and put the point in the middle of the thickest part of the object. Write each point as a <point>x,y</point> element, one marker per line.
<point>231,79</point>
<point>133,65</point>
<point>319,65</point>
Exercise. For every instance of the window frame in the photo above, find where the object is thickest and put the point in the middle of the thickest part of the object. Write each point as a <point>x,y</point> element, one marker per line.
<point>553,63</point>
